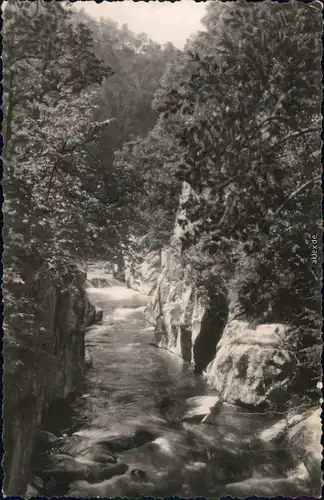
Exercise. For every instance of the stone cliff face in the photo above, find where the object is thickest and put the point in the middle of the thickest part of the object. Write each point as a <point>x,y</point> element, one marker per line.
<point>188,322</point>
<point>245,364</point>
<point>142,276</point>
<point>54,372</point>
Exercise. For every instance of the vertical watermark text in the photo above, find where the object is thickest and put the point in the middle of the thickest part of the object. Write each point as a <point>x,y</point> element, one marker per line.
<point>314,249</point>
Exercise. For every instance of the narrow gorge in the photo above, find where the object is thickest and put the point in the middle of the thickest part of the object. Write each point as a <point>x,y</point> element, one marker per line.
<point>179,393</point>
<point>162,264</point>
<point>252,366</point>
<point>246,362</point>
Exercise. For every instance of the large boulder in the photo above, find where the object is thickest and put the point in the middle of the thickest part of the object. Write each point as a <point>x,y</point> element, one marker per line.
<point>62,467</point>
<point>37,483</point>
<point>290,486</point>
<point>299,432</point>
<point>73,445</point>
<point>97,453</point>
<point>305,439</point>
<point>96,475</point>
<point>31,492</point>
<point>252,366</point>
<point>46,438</point>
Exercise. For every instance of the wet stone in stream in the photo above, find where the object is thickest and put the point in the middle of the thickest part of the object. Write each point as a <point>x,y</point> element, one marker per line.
<point>98,453</point>
<point>126,442</point>
<point>76,459</point>
<point>60,471</point>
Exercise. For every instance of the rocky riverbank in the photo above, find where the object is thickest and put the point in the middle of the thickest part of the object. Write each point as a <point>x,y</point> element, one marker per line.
<point>196,314</point>
<point>154,428</point>
<point>248,364</point>
<point>54,371</point>
<point>286,456</point>
<point>74,465</point>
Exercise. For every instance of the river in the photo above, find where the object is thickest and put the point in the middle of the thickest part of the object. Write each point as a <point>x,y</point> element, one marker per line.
<point>133,386</point>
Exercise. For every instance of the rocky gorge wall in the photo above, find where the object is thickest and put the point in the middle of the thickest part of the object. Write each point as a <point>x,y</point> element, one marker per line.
<point>53,372</point>
<point>251,366</point>
<point>143,275</point>
<point>247,364</point>
<point>187,322</point>
<point>244,362</point>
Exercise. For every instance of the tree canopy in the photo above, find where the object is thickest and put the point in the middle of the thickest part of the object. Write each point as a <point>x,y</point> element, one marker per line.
<point>103,126</point>
<point>241,117</point>
<point>75,90</point>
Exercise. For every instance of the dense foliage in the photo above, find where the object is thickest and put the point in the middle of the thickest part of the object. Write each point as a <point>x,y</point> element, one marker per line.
<point>75,90</point>
<point>103,128</point>
<point>138,66</point>
<point>48,98</point>
<point>243,113</point>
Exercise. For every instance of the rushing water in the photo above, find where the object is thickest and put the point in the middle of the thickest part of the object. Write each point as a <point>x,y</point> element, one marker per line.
<point>132,385</point>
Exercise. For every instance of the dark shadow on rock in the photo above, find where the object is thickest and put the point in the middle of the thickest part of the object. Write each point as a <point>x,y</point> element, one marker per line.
<point>63,416</point>
<point>212,327</point>
<point>44,441</point>
<point>98,453</point>
<point>58,416</point>
<point>160,332</point>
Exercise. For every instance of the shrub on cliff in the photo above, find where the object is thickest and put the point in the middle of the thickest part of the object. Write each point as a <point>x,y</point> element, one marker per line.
<point>249,104</point>
<point>251,138</point>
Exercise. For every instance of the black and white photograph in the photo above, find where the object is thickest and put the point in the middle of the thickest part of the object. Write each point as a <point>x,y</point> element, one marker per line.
<point>162,249</point>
